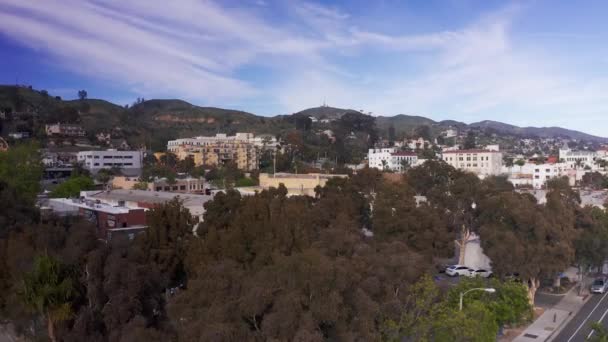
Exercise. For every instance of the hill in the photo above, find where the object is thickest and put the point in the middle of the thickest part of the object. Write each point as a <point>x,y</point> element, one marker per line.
<point>153,122</point>
<point>325,112</point>
<point>541,132</point>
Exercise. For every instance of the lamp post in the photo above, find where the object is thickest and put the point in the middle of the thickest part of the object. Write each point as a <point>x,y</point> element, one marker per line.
<point>486,289</point>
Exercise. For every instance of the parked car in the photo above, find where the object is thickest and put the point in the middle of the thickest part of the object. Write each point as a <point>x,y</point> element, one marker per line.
<point>480,272</point>
<point>457,270</point>
<point>599,285</point>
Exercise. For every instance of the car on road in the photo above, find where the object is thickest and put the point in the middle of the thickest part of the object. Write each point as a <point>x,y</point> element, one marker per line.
<point>599,285</point>
<point>480,272</point>
<point>457,270</point>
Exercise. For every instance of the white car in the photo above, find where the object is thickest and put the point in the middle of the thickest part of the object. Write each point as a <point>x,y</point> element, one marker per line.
<point>457,270</point>
<point>480,272</point>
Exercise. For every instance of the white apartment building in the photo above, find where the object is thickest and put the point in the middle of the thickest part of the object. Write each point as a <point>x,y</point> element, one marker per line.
<point>265,142</point>
<point>129,162</point>
<point>570,157</point>
<point>390,159</point>
<point>480,162</point>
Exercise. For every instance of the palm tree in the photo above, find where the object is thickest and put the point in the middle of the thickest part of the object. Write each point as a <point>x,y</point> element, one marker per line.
<point>600,333</point>
<point>48,290</point>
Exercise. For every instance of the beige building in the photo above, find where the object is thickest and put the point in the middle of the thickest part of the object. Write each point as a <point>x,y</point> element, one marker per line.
<point>296,184</point>
<point>66,130</point>
<point>243,149</point>
<point>181,185</point>
<point>480,162</point>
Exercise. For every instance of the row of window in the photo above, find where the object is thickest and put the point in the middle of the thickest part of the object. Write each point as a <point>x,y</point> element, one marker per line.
<point>109,157</point>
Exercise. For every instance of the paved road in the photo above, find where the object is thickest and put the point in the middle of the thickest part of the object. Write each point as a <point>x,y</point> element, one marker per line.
<point>579,328</point>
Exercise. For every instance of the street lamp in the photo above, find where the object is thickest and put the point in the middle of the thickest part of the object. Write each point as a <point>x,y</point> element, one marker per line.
<point>486,289</point>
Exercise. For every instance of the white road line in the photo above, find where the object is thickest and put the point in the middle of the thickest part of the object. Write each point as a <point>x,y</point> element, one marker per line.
<point>600,321</point>
<point>589,315</point>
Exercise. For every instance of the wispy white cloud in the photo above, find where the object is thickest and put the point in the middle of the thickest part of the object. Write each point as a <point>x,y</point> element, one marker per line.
<point>198,50</point>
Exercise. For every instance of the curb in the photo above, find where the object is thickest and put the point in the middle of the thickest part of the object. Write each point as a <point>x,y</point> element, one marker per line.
<point>567,320</point>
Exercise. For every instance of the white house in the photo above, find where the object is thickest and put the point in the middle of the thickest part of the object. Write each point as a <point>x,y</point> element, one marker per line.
<point>129,162</point>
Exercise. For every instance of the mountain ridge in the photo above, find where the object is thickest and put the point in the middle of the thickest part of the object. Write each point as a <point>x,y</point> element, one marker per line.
<point>186,118</point>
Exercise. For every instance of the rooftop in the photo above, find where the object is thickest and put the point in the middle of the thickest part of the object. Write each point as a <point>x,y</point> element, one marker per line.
<point>405,154</point>
<point>304,176</point>
<point>471,151</point>
<point>189,200</point>
<point>92,205</point>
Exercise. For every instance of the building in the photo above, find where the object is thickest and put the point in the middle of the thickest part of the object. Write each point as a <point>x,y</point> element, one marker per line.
<point>148,199</point>
<point>391,159</point>
<point>181,185</point>
<point>65,130</point>
<point>577,158</point>
<point>296,184</point>
<point>109,219</point>
<point>243,149</point>
<point>450,133</point>
<point>480,162</point>
<point>129,162</point>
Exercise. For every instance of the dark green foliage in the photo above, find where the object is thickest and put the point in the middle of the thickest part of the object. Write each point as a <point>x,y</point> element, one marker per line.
<point>72,187</point>
<point>21,169</point>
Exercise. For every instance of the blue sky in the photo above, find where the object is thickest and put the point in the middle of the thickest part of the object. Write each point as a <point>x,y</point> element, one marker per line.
<point>538,63</point>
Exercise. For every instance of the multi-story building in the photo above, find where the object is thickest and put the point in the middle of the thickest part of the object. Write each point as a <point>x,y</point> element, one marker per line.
<point>390,159</point>
<point>243,149</point>
<point>296,184</point>
<point>577,158</point>
<point>66,130</point>
<point>129,162</point>
<point>481,162</point>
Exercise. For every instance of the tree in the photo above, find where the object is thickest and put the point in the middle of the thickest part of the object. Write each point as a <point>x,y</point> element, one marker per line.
<point>166,240</point>
<point>82,95</point>
<point>591,244</point>
<point>470,141</point>
<point>520,236</point>
<point>21,169</point>
<point>424,132</point>
<point>72,187</point>
<point>600,333</point>
<point>140,186</point>
<point>391,135</point>
<point>48,290</point>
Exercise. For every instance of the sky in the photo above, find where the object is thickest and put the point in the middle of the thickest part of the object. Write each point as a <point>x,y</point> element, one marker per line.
<point>528,63</point>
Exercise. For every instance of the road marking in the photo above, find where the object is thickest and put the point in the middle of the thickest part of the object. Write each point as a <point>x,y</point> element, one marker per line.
<point>600,321</point>
<point>589,315</point>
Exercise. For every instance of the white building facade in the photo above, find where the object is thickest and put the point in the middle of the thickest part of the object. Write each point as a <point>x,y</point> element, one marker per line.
<point>129,162</point>
<point>480,162</point>
<point>576,158</point>
<point>391,159</point>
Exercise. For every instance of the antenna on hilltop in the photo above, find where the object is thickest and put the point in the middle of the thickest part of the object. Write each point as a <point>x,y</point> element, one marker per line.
<point>324,103</point>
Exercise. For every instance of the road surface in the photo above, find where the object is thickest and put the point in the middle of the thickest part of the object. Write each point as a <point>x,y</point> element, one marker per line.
<point>579,328</point>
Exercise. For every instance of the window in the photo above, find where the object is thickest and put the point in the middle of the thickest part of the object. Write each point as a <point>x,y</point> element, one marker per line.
<point>128,157</point>
<point>96,164</point>
<point>159,188</point>
<point>174,187</point>
<point>547,170</point>
<point>107,157</point>
<point>167,188</point>
<point>96,157</point>
<point>536,170</point>
<point>537,177</point>
<point>182,187</point>
<point>128,164</point>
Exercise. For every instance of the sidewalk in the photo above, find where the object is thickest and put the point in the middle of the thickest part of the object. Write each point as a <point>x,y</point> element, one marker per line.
<point>552,320</point>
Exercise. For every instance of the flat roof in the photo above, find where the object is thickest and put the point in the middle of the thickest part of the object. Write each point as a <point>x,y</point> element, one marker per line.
<point>280,175</point>
<point>149,196</point>
<point>470,151</point>
<point>103,207</point>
